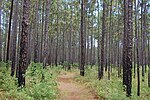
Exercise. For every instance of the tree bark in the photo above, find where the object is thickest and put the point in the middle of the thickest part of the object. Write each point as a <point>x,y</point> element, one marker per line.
<point>142,45</point>
<point>9,31</point>
<point>36,49</point>
<point>125,42</point>
<point>148,62</point>
<point>0,34</point>
<point>82,57</point>
<point>128,46</point>
<point>14,37</point>
<point>102,41</point>
<point>98,51</point>
<point>42,32</point>
<point>57,39</point>
<point>23,61</point>
<point>110,41</point>
<point>46,53</point>
<point>137,49</point>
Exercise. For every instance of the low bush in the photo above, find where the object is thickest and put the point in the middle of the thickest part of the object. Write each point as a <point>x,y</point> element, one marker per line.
<point>112,89</point>
<point>40,84</point>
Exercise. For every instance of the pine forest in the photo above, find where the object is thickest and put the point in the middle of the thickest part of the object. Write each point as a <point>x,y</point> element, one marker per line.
<point>74,49</point>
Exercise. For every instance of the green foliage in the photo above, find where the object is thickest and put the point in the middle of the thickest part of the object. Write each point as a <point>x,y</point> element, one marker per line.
<point>40,84</point>
<point>112,89</point>
<point>75,65</point>
<point>2,65</point>
<point>7,83</point>
<point>42,90</point>
<point>66,64</point>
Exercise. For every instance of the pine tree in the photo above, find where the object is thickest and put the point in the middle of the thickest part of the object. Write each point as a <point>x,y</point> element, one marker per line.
<point>23,60</point>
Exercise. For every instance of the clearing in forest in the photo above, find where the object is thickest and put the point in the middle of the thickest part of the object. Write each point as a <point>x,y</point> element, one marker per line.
<point>71,90</point>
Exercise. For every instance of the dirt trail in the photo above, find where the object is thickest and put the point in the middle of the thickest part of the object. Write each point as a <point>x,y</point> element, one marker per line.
<point>70,90</point>
<point>1,93</point>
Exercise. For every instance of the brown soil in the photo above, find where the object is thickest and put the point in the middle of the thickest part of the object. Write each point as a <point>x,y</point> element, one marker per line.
<point>1,93</point>
<point>71,90</point>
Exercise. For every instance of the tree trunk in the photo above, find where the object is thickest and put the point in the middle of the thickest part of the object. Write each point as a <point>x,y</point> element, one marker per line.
<point>42,31</point>
<point>0,35</point>
<point>88,45</point>
<point>142,45</point>
<point>18,42</point>
<point>56,53</point>
<point>91,54</point>
<point>128,46</point>
<point>125,42</point>
<point>98,51</point>
<point>36,50</point>
<point>47,12</point>
<point>23,61</point>
<point>9,31</point>
<point>148,62</point>
<point>144,34</point>
<point>102,41</point>
<point>63,45</point>
<point>14,37</point>
<point>110,41</point>
<point>118,45</point>
<point>70,42</point>
<point>82,57</point>
<point>137,49</point>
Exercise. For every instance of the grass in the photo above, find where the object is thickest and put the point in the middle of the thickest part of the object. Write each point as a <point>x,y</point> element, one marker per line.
<point>112,89</point>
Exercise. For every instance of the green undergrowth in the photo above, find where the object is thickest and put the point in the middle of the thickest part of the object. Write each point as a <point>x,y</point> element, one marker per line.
<point>112,89</point>
<point>41,83</point>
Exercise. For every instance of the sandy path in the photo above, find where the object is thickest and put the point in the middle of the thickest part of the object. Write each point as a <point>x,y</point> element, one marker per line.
<point>70,90</point>
<point>1,93</point>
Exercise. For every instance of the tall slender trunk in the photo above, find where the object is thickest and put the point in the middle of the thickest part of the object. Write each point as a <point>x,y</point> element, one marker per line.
<point>88,44</point>
<point>14,37</point>
<point>9,31</point>
<point>36,49</point>
<point>134,58</point>
<point>91,53</point>
<point>18,42</point>
<point>102,41</point>
<point>57,39</point>
<point>118,56</point>
<point>94,54</point>
<point>148,62</point>
<point>137,49</point>
<point>110,40</point>
<point>98,51</point>
<point>82,53</point>
<point>0,35</point>
<point>5,35</point>
<point>107,39</point>
<point>70,43</point>
<point>142,39</point>
<point>46,52</point>
<point>144,34</point>
<point>118,45</point>
<point>42,32</point>
<point>128,46</point>
<point>125,42</point>
<point>64,32</point>
<point>23,62</point>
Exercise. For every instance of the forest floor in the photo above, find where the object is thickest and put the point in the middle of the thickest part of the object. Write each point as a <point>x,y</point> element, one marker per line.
<point>1,93</point>
<point>71,90</point>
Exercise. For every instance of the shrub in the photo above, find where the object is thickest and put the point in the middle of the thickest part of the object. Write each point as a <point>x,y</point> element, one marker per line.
<point>40,84</point>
